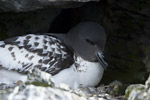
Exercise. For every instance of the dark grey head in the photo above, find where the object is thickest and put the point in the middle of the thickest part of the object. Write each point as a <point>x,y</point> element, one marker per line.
<point>88,40</point>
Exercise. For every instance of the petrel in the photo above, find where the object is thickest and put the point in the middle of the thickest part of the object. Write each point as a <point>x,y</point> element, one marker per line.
<point>76,59</point>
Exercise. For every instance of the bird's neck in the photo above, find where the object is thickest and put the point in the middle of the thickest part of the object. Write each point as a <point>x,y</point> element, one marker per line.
<point>80,62</point>
<point>90,73</point>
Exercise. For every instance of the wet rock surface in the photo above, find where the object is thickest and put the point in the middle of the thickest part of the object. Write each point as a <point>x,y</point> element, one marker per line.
<point>14,24</point>
<point>28,5</point>
<point>139,91</point>
<point>62,92</point>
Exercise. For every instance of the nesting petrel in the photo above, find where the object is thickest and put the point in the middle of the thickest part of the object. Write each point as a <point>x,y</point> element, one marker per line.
<point>77,60</point>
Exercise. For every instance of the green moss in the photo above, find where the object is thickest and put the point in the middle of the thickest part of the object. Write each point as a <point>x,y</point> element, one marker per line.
<point>137,88</point>
<point>38,84</point>
<point>118,90</point>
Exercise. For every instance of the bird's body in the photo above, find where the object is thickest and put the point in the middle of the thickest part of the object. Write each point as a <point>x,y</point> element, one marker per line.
<point>49,54</point>
<point>23,53</point>
<point>82,73</point>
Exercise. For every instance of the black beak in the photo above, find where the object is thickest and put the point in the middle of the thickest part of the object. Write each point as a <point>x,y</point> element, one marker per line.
<point>100,58</point>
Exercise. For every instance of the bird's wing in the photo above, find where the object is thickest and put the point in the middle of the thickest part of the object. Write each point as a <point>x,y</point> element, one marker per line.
<point>26,52</point>
<point>61,36</point>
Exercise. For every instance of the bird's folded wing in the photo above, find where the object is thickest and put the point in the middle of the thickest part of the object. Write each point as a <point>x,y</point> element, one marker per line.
<point>26,52</point>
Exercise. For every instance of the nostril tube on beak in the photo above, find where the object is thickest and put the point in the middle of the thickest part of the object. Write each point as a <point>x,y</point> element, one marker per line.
<point>101,60</point>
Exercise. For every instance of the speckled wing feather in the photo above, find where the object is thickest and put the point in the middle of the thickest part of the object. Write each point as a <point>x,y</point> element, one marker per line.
<point>26,52</point>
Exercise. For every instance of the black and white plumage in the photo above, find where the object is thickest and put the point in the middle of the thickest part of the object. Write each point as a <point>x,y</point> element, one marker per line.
<point>25,52</point>
<point>51,55</point>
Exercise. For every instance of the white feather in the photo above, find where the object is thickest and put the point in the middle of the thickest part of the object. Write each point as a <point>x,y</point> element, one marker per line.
<point>88,74</point>
<point>9,77</point>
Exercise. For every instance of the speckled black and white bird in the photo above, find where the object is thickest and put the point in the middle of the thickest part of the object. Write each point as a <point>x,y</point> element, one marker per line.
<point>76,59</point>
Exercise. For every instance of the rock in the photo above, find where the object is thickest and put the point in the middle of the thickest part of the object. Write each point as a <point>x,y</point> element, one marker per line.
<point>133,91</point>
<point>30,92</point>
<point>27,5</point>
<point>138,91</point>
<point>114,88</point>
<point>36,75</point>
<point>127,50</point>
<point>146,51</point>
<point>14,24</point>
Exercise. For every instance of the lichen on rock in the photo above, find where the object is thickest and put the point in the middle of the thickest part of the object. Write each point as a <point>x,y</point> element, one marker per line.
<point>139,91</point>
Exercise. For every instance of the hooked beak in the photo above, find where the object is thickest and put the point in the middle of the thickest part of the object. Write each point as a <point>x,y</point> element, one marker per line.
<point>100,58</point>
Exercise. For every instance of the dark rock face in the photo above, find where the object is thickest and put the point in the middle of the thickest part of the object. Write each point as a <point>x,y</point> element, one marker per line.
<point>128,27</point>
<point>14,24</point>
<point>138,91</point>
<point>27,5</point>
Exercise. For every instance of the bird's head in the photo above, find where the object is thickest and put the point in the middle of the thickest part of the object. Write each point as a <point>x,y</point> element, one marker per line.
<point>88,40</point>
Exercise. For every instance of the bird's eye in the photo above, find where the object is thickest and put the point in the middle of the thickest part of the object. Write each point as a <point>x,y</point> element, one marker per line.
<point>89,41</point>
